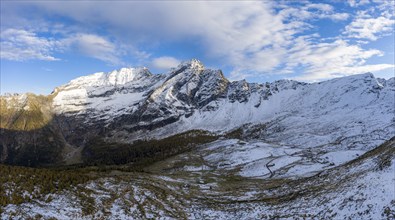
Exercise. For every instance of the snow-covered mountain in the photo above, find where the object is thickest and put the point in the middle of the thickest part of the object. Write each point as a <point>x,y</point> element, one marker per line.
<point>355,112</point>
<point>136,104</point>
<point>284,130</point>
<point>192,97</point>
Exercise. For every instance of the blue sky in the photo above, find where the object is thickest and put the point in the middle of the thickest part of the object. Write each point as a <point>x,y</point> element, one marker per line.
<point>45,44</point>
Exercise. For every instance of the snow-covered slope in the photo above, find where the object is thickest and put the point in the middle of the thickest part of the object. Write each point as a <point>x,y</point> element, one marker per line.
<point>361,189</point>
<point>192,97</point>
<point>104,92</point>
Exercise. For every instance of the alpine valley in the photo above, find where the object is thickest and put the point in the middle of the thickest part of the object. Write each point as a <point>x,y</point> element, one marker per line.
<point>190,144</point>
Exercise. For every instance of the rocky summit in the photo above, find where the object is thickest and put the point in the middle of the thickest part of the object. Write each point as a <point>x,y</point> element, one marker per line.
<point>190,144</point>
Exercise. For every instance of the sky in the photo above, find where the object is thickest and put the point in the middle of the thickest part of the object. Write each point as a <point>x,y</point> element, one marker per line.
<point>45,44</point>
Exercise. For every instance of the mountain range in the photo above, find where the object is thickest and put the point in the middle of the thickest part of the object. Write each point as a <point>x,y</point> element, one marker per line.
<point>286,143</point>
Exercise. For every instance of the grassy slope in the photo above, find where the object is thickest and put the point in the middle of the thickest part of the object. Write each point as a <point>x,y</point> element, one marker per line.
<point>28,114</point>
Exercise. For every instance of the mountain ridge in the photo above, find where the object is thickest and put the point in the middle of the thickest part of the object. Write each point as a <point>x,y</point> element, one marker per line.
<point>133,104</point>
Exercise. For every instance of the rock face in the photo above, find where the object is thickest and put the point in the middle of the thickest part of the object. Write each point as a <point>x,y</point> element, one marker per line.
<point>132,103</point>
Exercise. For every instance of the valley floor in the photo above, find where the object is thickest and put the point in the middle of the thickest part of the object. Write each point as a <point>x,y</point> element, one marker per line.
<point>211,182</point>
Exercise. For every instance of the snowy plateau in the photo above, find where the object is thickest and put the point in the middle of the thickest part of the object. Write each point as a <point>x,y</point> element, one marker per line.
<point>280,150</point>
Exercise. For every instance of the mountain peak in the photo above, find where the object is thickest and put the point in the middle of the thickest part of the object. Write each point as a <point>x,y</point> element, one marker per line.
<point>357,79</point>
<point>115,77</point>
<point>367,75</point>
<point>124,75</point>
<point>192,64</point>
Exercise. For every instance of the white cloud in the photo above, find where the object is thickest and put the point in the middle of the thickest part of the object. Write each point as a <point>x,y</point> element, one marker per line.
<point>369,28</point>
<point>356,3</point>
<point>254,37</point>
<point>328,60</point>
<point>20,45</point>
<point>313,11</point>
<point>95,46</point>
<point>317,60</point>
<point>386,6</point>
<point>343,71</point>
<point>165,63</point>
